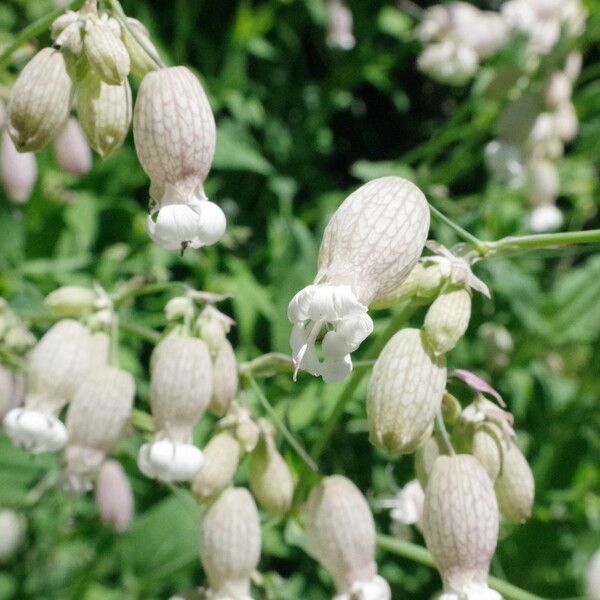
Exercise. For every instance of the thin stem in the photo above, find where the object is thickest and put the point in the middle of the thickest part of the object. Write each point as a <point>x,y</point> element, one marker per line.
<point>420,555</point>
<point>120,15</point>
<point>142,421</point>
<point>478,245</point>
<point>133,290</point>
<point>439,420</point>
<point>287,434</point>
<point>359,372</point>
<point>267,365</point>
<point>36,28</point>
<point>140,331</point>
<point>114,340</point>
<point>527,243</point>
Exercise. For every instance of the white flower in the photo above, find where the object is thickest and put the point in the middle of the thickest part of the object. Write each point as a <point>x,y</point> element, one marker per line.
<point>339,34</point>
<point>179,223</point>
<point>545,218</point>
<point>407,505</point>
<point>449,62</point>
<point>170,461</point>
<point>592,577</point>
<point>335,309</point>
<point>376,588</point>
<point>35,431</point>
<point>472,591</point>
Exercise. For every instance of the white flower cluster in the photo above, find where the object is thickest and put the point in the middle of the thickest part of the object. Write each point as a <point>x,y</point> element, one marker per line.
<point>457,36</point>
<point>533,131</point>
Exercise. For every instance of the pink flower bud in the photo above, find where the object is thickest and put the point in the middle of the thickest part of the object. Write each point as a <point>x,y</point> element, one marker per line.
<point>71,149</point>
<point>18,171</point>
<point>114,498</point>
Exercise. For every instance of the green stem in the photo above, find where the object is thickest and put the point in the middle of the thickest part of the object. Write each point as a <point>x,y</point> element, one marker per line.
<point>120,15</point>
<point>419,554</point>
<point>527,243</point>
<point>477,243</point>
<point>287,434</point>
<point>140,331</point>
<point>133,290</point>
<point>359,372</point>
<point>267,365</point>
<point>142,421</point>
<point>36,28</point>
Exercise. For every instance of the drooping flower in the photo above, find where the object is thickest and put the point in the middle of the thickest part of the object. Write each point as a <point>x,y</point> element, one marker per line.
<point>12,533</point>
<point>230,540</point>
<point>18,170</point>
<point>340,531</point>
<point>180,390</point>
<point>57,366</point>
<point>174,133</point>
<point>71,149</point>
<point>460,526</point>
<point>114,497</point>
<point>369,246</point>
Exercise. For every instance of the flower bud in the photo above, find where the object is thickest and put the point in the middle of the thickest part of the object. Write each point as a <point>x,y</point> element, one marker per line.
<point>114,498</point>
<point>515,486</point>
<point>105,52</point>
<point>559,89</point>
<point>449,62</point>
<point>425,456</point>
<point>71,301</point>
<point>40,101</point>
<point>271,480</point>
<point>221,459</point>
<point>592,577</point>
<point>180,390</point>
<point>460,525</point>
<point>18,170</point>
<point>12,533</point>
<point>340,532</point>
<point>141,63</point>
<point>12,389</point>
<point>180,307</point>
<point>57,366</point>
<point>447,320</point>
<point>339,33</point>
<point>66,31</point>
<point>405,393</point>
<point>225,379</point>
<point>174,129</point>
<point>95,421</point>
<point>230,540</point>
<point>104,113</point>
<point>486,447</point>
<point>71,149</point>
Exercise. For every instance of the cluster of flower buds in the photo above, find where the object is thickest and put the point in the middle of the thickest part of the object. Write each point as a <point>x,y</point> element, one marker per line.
<point>230,543</point>
<point>12,533</point>
<point>340,532</point>
<point>460,525</point>
<point>369,247</point>
<point>457,36</point>
<point>175,134</point>
<point>543,21</point>
<point>532,133</point>
<point>340,22</point>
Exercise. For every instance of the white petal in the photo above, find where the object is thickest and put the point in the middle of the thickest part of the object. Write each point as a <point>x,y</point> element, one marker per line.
<point>310,361</point>
<point>35,431</point>
<point>334,302</point>
<point>375,589</point>
<point>168,461</point>
<point>299,306</point>
<point>213,224</point>
<point>335,369</point>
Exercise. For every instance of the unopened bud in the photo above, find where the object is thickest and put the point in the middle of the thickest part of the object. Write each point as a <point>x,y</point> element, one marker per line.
<point>181,387</point>
<point>174,129</point>
<point>340,532</point>
<point>225,379</point>
<point>71,301</point>
<point>66,31</point>
<point>104,113</point>
<point>141,63</point>
<point>40,101</point>
<point>543,183</point>
<point>515,486</point>
<point>460,525</point>
<point>405,393</point>
<point>230,540</point>
<point>18,171</point>
<point>114,498</point>
<point>106,52</point>
<point>180,307</point>
<point>221,459</point>
<point>487,448</point>
<point>271,480</point>
<point>71,149</point>
<point>447,320</point>
<point>12,533</point>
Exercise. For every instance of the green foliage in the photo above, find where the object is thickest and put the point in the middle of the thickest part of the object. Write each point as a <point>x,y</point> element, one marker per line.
<point>299,126</point>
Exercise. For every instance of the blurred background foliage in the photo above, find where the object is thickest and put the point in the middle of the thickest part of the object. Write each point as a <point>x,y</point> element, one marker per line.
<point>299,126</point>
